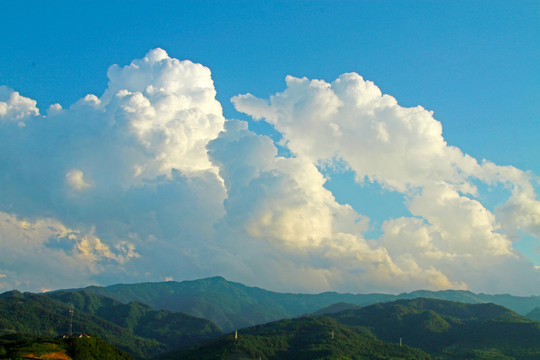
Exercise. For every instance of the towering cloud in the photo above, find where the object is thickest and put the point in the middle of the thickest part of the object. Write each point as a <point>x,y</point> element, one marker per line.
<point>150,182</point>
<point>128,169</point>
<point>350,121</point>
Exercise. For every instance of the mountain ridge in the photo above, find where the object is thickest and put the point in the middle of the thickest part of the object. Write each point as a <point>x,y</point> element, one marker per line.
<point>233,305</point>
<point>441,328</point>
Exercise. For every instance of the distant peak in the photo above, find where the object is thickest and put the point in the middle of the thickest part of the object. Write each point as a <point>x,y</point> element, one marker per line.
<point>216,278</point>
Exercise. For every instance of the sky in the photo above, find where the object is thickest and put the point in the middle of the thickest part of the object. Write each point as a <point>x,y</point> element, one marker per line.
<point>301,146</point>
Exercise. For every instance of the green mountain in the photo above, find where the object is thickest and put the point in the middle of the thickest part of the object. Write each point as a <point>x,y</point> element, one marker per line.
<point>84,348</point>
<point>298,339</point>
<point>233,306</point>
<point>362,330</point>
<point>520,304</point>
<point>448,330</point>
<point>534,314</point>
<point>228,304</point>
<point>169,328</point>
<point>133,327</point>
<point>335,308</point>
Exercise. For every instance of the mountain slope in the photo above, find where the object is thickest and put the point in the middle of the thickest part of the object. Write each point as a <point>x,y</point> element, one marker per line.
<point>534,314</point>
<point>229,305</point>
<point>169,328</point>
<point>233,306</point>
<point>303,338</point>
<point>135,328</point>
<point>335,308</point>
<point>445,328</point>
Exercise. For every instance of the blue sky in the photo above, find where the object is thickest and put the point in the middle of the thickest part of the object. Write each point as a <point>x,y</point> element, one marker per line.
<point>473,63</point>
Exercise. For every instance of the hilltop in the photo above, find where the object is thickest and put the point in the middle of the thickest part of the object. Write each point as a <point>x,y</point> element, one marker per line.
<point>232,305</point>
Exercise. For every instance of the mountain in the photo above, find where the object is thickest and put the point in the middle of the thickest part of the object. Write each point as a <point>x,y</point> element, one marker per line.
<point>228,304</point>
<point>84,348</point>
<point>335,308</point>
<point>304,338</point>
<point>444,329</point>
<point>534,314</point>
<point>169,328</point>
<point>520,304</point>
<point>232,305</point>
<point>133,327</point>
<point>450,329</point>
<point>428,328</point>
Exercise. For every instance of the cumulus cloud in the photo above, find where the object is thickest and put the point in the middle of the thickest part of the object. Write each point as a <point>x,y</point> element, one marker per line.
<point>127,169</point>
<point>271,197</point>
<point>349,121</point>
<point>280,207</point>
<point>47,251</point>
<point>14,107</point>
<point>149,182</point>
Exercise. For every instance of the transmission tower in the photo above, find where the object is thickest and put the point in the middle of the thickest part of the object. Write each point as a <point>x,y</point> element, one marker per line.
<point>70,320</point>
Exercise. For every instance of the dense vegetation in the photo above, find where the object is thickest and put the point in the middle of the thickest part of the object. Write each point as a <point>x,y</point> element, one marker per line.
<point>443,329</point>
<point>303,338</point>
<point>84,348</point>
<point>233,306</point>
<point>133,327</point>
<point>449,329</point>
<point>171,329</point>
<point>429,328</point>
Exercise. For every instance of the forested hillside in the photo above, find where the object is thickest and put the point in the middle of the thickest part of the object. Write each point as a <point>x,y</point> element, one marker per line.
<point>447,328</point>
<point>303,338</point>
<point>232,305</point>
<point>133,327</point>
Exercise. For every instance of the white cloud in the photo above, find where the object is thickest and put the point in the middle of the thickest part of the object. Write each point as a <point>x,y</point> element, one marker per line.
<point>151,176</point>
<point>282,199</point>
<point>14,107</point>
<point>350,121</point>
<point>170,108</point>
<point>129,168</point>
<point>282,221</point>
<point>75,179</point>
<point>463,224</point>
<point>45,251</point>
<point>522,212</point>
